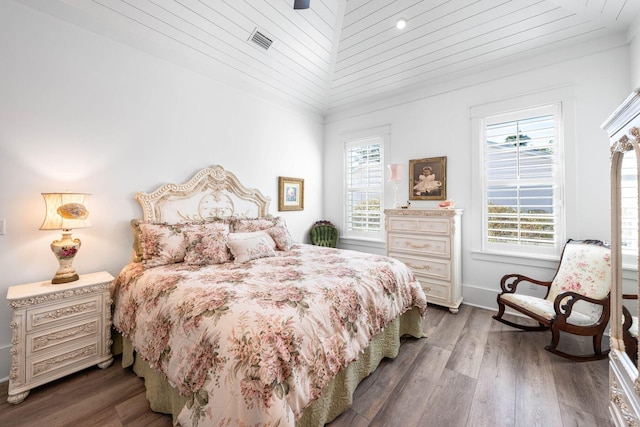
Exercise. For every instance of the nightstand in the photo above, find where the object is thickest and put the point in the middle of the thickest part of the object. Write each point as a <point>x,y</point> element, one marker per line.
<point>57,330</point>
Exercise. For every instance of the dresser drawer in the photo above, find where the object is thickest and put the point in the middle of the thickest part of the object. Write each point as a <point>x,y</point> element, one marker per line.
<point>437,293</point>
<point>428,267</point>
<point>40,341</point>
<point>420,245</point>
<point>40,318</point>
<point>63,360</point>
<point>420,225</point>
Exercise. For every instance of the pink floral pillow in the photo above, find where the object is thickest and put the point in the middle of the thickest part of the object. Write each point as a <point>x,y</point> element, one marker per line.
<point>161,244</point>
<point>206,243</point>
<point>248,249</point>
<point>281,235</point>
<point>241,225</point>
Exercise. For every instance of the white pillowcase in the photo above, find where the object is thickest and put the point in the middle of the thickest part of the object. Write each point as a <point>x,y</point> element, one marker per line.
<point>252,235</point>
<point>244,250</point>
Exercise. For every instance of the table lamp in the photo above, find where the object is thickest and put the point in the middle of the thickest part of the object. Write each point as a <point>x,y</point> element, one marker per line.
<point>65,211</point>
<point>395,178</point>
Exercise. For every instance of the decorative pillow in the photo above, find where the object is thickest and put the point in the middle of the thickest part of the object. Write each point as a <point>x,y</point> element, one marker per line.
<point>161,244</point>
<point>252,235</point>
<point>242,225</point>
<point>247,249</point>
<point>281,235</point>
<point>206,243</point>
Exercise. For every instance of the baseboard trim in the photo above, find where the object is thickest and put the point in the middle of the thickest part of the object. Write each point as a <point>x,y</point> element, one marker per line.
<point>484,298</point>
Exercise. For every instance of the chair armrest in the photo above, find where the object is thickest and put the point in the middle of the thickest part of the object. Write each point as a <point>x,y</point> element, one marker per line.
<point>564,310</point>
<point>509,287</point>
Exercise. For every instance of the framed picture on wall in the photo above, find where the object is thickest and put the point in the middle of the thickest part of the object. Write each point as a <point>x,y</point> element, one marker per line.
<point>290,194</point>
<point>428,179</point>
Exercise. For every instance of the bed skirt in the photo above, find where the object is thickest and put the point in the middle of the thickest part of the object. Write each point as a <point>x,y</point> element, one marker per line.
<point>336,397</point>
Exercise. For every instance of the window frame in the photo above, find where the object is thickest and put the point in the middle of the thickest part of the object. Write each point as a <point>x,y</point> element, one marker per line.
<point>356,139</point>
<point>555,181</point>
<point>564,98</point>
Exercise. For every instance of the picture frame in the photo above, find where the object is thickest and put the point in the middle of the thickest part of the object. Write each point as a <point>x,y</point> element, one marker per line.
<point>290,194</point>
<point>433,185</point>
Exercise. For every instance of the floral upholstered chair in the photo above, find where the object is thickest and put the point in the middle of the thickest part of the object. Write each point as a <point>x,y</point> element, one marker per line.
<point>577,299</point>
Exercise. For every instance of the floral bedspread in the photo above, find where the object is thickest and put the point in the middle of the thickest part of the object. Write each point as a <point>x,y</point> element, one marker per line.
<point>255,343</point>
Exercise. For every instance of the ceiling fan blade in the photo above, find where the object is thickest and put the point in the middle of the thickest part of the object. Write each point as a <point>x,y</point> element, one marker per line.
<point>301,4</point>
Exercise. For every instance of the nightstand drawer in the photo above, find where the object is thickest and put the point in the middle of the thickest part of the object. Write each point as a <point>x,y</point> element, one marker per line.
<point>44,340</point>
<point>55,364</point>
<point>418,225</point>
<point>430,267</point>
<point>39,318</point>
<point>420,245</point>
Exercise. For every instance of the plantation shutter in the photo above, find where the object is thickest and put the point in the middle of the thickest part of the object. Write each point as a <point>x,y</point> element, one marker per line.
<point>364,186</point>
<point>522,197</point>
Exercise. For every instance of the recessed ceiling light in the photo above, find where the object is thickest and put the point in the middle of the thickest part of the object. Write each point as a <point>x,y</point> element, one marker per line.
<point>401,23</point>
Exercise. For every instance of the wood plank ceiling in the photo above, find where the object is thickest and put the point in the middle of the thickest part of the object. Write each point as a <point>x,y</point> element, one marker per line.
<point>341,53</point>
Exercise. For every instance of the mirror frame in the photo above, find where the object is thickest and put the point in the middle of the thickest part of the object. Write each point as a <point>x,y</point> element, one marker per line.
<point>623,128</point>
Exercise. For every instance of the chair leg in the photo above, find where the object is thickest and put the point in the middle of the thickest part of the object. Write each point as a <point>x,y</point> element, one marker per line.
<point>500,310</point>
<point>597,350</point>
<point>555,336</point>
<point>597,344</point>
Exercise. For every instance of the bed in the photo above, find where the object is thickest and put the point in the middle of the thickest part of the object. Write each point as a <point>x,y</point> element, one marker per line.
<point>231,322</point>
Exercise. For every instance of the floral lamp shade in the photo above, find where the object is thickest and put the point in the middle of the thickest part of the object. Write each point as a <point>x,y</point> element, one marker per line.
<point>65,211</point>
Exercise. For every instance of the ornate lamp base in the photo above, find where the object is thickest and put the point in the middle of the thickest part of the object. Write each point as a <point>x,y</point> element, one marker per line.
<point>395,195</point>
<point>65,250</point>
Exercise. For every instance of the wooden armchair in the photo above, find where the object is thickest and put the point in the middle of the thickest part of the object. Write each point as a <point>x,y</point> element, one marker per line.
<point>577,299</point>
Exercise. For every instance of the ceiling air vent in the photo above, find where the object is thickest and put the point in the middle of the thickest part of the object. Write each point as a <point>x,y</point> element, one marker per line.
<point>259,38</point>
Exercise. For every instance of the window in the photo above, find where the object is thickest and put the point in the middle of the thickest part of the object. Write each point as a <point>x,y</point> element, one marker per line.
<point>364,187</point>
<point>522,202</point>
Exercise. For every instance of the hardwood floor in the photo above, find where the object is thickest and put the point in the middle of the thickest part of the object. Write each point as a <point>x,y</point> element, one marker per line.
<point>470,371</point>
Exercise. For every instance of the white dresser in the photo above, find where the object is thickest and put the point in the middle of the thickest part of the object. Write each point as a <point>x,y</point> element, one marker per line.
<point>57,330</point>
<point>428,242</point>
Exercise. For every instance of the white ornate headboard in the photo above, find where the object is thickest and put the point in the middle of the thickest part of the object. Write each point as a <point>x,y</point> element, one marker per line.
<point>212,192</point>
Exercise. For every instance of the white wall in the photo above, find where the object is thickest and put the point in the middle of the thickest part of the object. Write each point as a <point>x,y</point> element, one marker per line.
<point>439,125</point>
<point>83,113</point>
<point>633,35</point>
